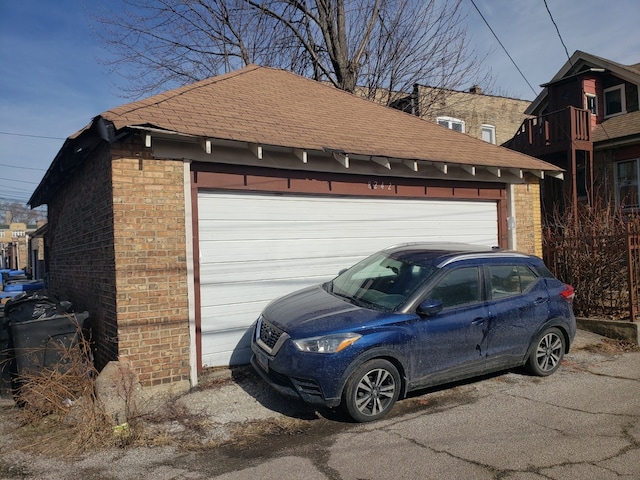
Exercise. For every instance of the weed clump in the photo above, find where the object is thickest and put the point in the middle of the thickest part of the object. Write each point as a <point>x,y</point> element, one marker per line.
<point>57,404</point>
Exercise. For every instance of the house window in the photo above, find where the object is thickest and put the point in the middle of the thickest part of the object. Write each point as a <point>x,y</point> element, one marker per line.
<point>17,233</point>
<point>627,183</point>
<point>452,123</point>
<point>489,133</point>
<point>614,103</point>
<point>592,104</point>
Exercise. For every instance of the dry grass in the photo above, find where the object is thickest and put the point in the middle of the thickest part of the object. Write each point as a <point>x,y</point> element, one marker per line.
<point>58,409</point>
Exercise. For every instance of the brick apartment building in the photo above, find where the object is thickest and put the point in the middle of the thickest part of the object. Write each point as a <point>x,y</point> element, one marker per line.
<point>14,244</point>
<point>491,118</point>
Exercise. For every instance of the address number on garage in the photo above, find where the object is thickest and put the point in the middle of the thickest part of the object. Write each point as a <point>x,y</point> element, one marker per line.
<point>379,185</point>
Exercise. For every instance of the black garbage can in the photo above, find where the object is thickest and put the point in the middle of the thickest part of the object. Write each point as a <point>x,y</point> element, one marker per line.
<point>33,305</point>
<point>37,344</point>
<point>5,357</point>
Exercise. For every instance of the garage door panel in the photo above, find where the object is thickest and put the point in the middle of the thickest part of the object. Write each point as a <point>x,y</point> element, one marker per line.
<point>221,348</point>
<point>272,270</point>
<point>242,251</point>
<point>254,248</point>
<point>290,232</point>
<point>235,316</point>
<point>228,295</point>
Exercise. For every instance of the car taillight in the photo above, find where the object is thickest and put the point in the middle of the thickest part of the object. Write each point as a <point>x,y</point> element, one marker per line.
<point>568,293</point>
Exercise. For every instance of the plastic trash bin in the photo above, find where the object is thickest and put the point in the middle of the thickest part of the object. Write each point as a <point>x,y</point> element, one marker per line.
<point>5,358</point>
<point>24,285</point>
<point>34,305</point>
<point>4,294</point>
<point>39,343</point>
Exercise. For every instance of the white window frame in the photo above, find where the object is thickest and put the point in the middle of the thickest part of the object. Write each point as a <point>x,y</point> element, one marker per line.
<point>618,184</point>
<point>623,102</point>
<point>588,96</point>
<point>491,129</point>
<point>450,121</point>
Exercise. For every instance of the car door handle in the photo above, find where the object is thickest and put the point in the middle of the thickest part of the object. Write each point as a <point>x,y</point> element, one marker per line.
<point>478,321</point>
<point>540,300</point>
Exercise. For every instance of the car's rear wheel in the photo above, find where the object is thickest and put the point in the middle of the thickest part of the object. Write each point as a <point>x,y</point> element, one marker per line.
<point>547,353</point>
<point>372,390</point>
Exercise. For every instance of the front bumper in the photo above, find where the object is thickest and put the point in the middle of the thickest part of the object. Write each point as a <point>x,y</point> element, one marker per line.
<point>306,389</point>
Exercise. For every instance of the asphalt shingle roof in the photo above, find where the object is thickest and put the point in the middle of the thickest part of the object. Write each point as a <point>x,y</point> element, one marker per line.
<point>268,106</point>
<point>617,127</point>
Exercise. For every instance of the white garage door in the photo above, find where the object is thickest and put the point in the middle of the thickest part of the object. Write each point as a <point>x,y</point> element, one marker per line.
<point>254,248</point>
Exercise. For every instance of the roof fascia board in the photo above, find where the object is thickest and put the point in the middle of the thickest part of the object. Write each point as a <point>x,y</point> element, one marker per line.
<point>344,158</point>
<point>325,161</point>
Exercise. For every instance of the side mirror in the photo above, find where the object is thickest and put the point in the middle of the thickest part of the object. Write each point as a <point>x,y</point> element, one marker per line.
<point>429,307</point>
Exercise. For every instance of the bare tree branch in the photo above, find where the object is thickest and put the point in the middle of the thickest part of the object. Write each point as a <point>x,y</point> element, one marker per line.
<point>379,47</point>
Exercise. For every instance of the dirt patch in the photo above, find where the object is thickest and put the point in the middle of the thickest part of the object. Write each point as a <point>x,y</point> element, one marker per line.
<point>611,346</point>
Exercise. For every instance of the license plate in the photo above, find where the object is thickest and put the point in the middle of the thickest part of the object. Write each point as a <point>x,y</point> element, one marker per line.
<point>263,361</point>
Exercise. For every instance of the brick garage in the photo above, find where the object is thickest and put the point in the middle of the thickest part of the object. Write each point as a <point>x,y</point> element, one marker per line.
<point>122,194</point>
<point>116,247</point>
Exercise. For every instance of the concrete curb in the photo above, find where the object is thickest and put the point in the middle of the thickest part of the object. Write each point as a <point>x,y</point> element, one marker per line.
<point>618,329</point>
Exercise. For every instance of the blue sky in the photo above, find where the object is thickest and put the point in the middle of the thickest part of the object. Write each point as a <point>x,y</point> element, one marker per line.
<point>52,84</point>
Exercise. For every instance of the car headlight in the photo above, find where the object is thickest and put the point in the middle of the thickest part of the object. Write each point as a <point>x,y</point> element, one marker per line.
<point>327,343</point>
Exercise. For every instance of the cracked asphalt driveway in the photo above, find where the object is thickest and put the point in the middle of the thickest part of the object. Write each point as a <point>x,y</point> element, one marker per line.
<point>581,422</point>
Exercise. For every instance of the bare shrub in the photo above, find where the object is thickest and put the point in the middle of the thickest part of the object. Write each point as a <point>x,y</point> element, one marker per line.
<point>589,252</point>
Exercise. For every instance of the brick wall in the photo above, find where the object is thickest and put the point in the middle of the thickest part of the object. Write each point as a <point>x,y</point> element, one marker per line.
<point>116,245</point>
<point>529,217</point>
<point>505,114</point>
<point>80,250</point>
<point>150,266</point>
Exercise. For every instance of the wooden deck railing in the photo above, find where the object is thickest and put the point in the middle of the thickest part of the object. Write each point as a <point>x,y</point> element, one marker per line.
<point>556,129</point>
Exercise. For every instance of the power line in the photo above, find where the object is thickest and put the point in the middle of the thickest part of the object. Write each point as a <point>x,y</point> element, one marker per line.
<point>20,181</point>
<point>13,134</point>
<point>14,199</point>
<point>558,31</point>
<point>503,47</point>
<point>22,168</point>
<point>566,51</point>
<point>16,192</point>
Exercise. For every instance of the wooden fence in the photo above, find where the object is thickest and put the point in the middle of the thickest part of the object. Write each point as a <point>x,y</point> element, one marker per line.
<point>603,268</point>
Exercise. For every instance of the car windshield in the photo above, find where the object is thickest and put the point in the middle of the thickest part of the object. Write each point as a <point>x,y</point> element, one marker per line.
<point>380,282</point>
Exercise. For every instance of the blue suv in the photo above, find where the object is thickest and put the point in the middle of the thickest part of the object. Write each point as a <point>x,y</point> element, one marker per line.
<point>410,317</point>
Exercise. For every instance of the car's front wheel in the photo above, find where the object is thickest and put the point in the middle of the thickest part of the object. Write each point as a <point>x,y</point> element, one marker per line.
<point>547,353</point>
<point>372,390</point>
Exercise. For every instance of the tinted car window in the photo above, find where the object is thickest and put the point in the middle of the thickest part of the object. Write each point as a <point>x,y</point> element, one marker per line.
<point>457,287</point>
<point>509,280</point>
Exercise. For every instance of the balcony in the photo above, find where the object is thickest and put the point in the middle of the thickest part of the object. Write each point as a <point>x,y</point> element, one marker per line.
<point>560,131</point>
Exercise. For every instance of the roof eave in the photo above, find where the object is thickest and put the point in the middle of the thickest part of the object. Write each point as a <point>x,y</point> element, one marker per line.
<point>74,151</point>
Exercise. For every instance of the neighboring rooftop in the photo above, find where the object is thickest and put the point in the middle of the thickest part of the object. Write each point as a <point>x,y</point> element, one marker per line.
<point>580,62</point>
<point>617,127</point>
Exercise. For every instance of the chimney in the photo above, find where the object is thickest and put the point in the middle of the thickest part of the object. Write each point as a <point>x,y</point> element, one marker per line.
<point>8,217</point>
<point>476,90</point>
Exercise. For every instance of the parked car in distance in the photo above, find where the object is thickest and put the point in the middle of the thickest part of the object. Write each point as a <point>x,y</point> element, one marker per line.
<point>410,317</point>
